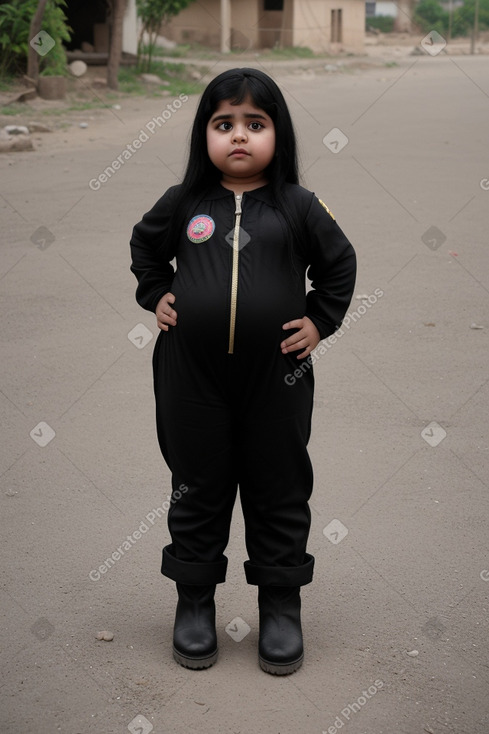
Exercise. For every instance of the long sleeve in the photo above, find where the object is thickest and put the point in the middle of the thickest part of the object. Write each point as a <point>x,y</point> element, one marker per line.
<point>152,249</point>
<point>332,270</point>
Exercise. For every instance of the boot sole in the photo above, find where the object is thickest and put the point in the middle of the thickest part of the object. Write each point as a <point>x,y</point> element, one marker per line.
<point>195,663</point>
<point>280,668</point>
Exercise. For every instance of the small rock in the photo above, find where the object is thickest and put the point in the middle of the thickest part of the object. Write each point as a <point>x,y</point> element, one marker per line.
<point>15,143</point>
<point>38,127</point>
<point>87,48</point>
<point>476,326</point>
<point>330,67</point>
<point>150,78</point>
<point>16,130</point>
<point>105,635</point>
<point>413,653</point>
<point>99,82</point>
<point>78,68</point>
<point>116,107</point>
<point>83,125</point>
<point>196,75</point>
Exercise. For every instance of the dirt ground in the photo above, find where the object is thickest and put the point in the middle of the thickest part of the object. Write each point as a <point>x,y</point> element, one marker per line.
<point>396,619</point>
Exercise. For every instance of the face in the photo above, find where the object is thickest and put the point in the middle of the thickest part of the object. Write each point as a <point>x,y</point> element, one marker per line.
<point>241,142</point>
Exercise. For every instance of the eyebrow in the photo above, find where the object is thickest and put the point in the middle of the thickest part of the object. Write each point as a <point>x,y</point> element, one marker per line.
<point>230,117</point>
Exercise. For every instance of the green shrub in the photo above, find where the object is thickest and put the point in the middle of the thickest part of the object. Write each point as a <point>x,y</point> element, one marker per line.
<point>15,23</point>
<point>430,16</point>
<point>383,23</point>
<point>15,20</point>
<point>463,18</point>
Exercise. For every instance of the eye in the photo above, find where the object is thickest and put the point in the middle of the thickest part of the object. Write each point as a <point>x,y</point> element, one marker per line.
<point>256,126</point>
<point>226,126</point>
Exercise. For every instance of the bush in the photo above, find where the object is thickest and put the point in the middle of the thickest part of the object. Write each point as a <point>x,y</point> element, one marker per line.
<point>15,23</point>
<point>430,16</point>
<point>15,20</point>
<point>463,18</point>
<point>383,23</point>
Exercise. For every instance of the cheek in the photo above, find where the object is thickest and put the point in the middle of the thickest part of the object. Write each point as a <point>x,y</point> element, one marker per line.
<point>209,142</point>
<point>213,147</point>
<point>268,147</point>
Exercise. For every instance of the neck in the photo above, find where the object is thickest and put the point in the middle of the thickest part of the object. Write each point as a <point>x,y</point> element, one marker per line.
<point>239,185</point>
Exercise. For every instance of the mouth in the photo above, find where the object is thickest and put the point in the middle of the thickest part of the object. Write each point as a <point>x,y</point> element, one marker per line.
<point>239,151</point>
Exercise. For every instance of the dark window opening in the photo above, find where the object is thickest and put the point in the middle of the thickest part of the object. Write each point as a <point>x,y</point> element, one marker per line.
<point>273,5</point>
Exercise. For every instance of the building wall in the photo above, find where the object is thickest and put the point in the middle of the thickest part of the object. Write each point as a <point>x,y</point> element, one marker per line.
<point>201,23</point>
<point>386,8</point>
<point>312,25</point>
<point>198,23</point>
<point>244,24</point>
<point>302,23</point>
<point>270,29</point>
<point>129,30</point>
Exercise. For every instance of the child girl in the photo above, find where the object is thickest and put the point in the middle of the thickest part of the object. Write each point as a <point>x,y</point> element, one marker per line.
<point>235,322</point>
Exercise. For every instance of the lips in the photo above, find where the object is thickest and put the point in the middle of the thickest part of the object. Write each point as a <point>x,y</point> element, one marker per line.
<point>239,151</point>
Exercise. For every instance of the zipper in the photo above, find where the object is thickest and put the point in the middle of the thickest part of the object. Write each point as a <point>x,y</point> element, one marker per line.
<point>235,272</point>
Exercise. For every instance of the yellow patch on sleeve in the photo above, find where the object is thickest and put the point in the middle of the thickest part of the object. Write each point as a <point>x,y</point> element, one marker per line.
<point>327,209</point>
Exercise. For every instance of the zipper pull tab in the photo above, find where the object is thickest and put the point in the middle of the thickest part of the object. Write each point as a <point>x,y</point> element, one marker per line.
<point>237,199</point>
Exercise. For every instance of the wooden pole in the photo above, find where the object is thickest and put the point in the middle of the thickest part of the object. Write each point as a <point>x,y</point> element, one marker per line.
<point>475,29</point>
<point>225,26</point>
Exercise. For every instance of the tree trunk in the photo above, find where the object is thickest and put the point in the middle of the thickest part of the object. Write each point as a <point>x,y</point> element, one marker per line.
<point>33,56</point>
<point>115,52</point>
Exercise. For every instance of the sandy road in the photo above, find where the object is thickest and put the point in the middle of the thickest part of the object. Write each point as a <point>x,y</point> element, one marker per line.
<point>399,445</point>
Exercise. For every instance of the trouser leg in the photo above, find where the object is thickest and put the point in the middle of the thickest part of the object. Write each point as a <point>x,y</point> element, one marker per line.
<point>195,435</point>
<point>194,432</point>
<point>276,479</point>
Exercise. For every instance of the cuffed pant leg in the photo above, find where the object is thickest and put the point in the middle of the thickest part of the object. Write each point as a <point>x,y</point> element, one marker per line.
<point>280,575</point>
<point>192,574</point>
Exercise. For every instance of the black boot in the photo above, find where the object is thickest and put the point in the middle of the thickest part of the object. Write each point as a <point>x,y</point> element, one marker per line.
<point>280,648</point>
<point>194,633</point>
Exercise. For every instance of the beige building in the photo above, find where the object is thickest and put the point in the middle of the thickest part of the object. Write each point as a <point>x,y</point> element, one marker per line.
<point>326,26</point>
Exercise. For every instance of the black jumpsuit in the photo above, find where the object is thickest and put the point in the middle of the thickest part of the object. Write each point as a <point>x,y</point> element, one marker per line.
<point>228,411</point>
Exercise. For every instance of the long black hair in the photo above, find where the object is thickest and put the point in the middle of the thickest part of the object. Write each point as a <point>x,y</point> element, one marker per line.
<point>236,85</point>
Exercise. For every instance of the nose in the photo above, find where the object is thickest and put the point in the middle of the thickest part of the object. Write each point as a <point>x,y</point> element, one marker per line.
<point>239,134</point>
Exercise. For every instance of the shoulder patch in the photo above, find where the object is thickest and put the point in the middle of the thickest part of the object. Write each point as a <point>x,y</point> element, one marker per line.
<point>327,209</point>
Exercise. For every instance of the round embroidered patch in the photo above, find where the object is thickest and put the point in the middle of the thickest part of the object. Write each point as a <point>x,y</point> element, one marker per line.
<point>200,228</point>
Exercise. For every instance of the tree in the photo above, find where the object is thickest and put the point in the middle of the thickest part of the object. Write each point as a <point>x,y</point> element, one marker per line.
<point>153,13</point>
<point>430,16</point>
<point>118,8</point>
<point>32,55</point>
<point>50,17</point>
